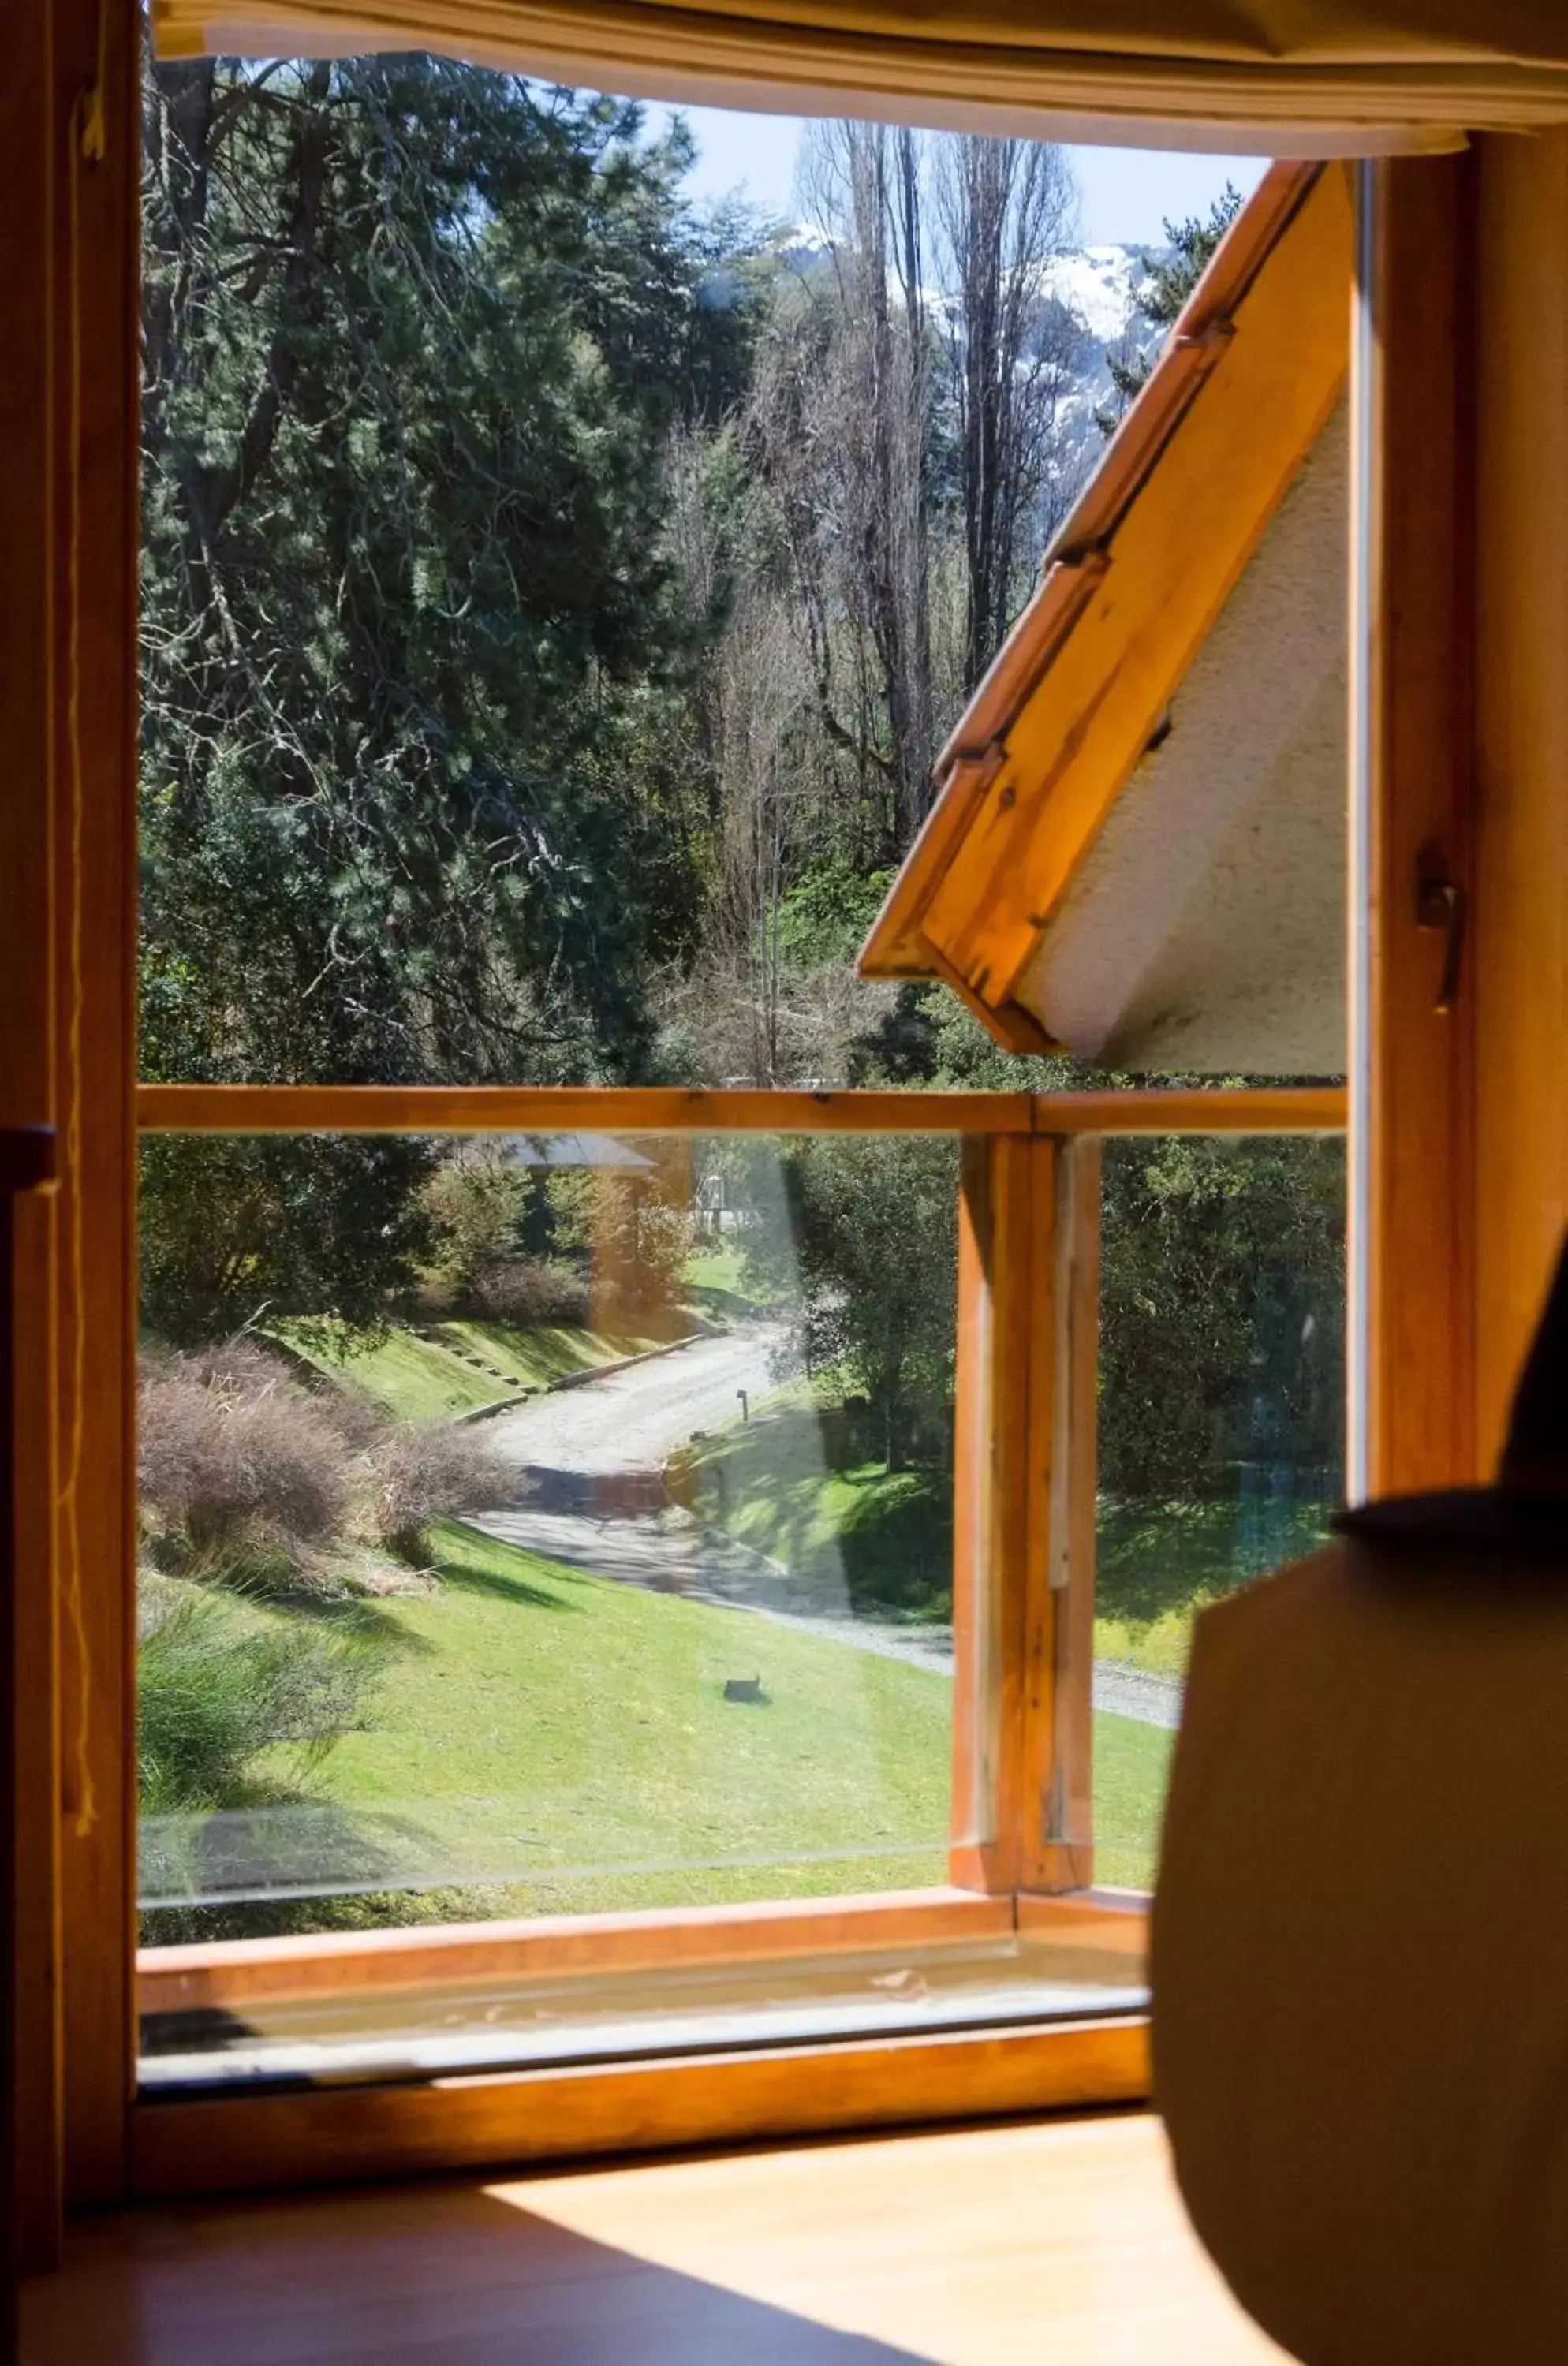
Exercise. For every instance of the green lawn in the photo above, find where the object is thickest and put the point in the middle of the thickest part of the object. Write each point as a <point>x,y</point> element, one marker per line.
<point>1132,1765</point>
<point>426,1380</point>
<point>567,1738</point>
<point>717,1269</point>
<point>716,1282</point>
<point>886,1541</point>
<point>571,1734</point>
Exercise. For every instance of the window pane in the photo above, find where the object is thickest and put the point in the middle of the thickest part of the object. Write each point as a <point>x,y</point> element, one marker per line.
<point>546,1525</point>
<point>1220,1425</point>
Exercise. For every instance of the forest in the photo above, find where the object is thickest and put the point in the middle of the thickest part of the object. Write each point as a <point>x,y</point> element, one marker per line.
<point>555,593</point>
<point>554,596</point>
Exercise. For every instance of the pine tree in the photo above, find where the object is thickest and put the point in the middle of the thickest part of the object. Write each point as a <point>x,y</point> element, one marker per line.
<point>1165,291</point>
<point>414,336</point>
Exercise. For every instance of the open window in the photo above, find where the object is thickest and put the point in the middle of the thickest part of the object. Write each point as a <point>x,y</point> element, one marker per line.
<point>545,1983</point>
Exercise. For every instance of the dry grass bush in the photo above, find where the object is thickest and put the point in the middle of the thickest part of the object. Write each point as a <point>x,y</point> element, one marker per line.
<point>424,1469</point>
<point>231,1449</point>
<point>532,1291</point>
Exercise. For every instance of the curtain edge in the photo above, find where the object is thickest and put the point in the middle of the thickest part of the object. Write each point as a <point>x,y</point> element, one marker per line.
<point>1110,102</point>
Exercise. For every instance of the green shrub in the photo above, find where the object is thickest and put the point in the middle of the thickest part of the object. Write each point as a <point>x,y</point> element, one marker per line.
<point>216,1690</point>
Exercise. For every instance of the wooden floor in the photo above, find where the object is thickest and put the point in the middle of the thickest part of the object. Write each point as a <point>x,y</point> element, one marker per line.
<point>1060,2243</point>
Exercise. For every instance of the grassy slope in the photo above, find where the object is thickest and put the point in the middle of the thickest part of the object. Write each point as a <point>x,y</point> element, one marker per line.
<point>536,1721</point>
<point>717,1269</point>
<point>542,1718</point>
<point>887,1540</point>
<point>423,1380</point>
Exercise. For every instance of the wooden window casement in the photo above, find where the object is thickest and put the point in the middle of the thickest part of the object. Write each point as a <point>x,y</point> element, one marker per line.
<point>1023,1853</point>
<point>1023,1841</point>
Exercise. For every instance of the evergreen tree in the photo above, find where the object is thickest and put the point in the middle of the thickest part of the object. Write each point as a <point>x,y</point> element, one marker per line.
<point>1166,290</point>
<point>414,336</point>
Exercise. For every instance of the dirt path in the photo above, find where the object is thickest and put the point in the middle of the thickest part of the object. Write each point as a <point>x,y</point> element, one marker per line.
<point>634,1420</point>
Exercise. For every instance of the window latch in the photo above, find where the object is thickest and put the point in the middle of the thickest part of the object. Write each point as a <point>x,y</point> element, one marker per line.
<point>1439,903</point>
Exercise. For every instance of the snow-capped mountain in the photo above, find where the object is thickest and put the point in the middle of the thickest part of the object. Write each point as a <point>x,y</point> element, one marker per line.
<point>1093,295</point>
<point>1089,316</point>
<point>1100,285</point>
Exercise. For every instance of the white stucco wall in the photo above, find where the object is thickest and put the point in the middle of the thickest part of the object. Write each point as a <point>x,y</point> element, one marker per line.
<point>1206,928</point>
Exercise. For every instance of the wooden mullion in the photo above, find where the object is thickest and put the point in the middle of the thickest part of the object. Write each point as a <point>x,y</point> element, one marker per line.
<point>974,1637</point>
<point>1003,1614</point>
<point>1065,1858</point>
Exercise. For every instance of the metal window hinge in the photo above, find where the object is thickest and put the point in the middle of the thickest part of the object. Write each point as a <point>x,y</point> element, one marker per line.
<point>1440,904</point>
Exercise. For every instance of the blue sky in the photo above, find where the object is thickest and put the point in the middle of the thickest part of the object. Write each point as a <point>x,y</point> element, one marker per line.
<point>1125,193</point>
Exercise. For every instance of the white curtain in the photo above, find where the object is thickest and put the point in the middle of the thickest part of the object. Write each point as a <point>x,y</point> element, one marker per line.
<point>1318,77</point>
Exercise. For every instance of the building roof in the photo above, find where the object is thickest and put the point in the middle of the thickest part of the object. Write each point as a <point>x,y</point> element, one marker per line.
<point>1136,850</point>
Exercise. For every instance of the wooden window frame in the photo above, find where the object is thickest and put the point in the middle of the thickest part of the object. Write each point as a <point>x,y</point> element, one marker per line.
<point>68,407</point>
<point>1021,1855</point>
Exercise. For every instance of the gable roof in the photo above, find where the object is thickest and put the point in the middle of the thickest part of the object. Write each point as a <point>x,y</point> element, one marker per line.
<point>1081,693</point>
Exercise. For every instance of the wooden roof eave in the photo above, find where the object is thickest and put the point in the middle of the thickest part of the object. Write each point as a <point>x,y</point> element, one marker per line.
<point>912,935</point>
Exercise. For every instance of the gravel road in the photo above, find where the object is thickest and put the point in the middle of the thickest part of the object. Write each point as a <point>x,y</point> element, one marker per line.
<point>594,1456</point>
<point>634,1420</point>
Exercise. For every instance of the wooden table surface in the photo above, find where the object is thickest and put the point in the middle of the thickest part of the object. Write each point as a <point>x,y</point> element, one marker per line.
<point>1059,2241</point>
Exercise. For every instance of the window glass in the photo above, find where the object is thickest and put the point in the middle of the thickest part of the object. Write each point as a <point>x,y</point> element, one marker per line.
<point>1220,1425</point>
<point>542,1523</point>
<point>540,1527</point>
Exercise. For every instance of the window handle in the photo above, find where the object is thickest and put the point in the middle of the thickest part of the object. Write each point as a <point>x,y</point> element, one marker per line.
<point>1439,903</point>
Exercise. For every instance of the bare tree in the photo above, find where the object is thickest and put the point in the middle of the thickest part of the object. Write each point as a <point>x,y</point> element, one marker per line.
<point>1005,209</point>
<point>896,461</point>
<point>864,183</point>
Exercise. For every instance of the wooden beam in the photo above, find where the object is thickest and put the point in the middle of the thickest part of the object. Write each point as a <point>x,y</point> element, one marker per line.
<point>31,146</point>
<point>499,1109</point>
<point>1220,434</point>
<point>1075,566</point>
<point>1412,1229</point>
<point>237,1972</point>
<point>1519,339</point>
<point>96,1054</point>
<point>320,2136</point>
<point>69,421</point>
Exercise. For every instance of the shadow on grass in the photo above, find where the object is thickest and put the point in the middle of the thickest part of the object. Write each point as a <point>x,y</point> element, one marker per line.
<point>881,1540</point>
<point>249,1867</point>
<point>1157,1555</point>
<point>371,1622</point>
<point>884,1540</point>
<point>471,1576</point>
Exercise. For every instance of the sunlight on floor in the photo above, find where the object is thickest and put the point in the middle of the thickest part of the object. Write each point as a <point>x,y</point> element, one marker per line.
<point>1056,2241</point>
